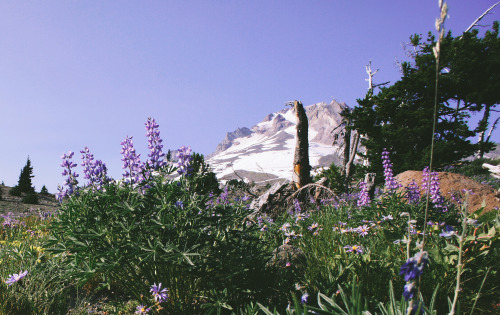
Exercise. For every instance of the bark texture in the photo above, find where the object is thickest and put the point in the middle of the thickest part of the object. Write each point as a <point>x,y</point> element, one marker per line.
<point>301,166</point>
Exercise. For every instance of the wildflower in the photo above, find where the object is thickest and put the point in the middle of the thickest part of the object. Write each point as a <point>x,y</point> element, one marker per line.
<point>448,232</point>
<point>264,228</point>
<point>304,298</point>
<point>409,290</point>
<point>388,217</point>
<point>313,226</point>
<point>154,145</point>
<point>71,181</point>
<point>425,179</point>
<point>301,217</point>
<point>362,230</point>
<point>414,267</point>
<point>412,193</point>
<point>364,197</point>
<point>160,295</point>
<point>474,223</point>
<point>296,205</point>
<point>413,308</point>
<point>15,277</point>
<point>180,204</point>
<point>142,309</point>
<point>131,162</point>
<point>436,197</point>
<point>390,182</point>
<point>285,227</point>
<point>184,159</point>
<point>94,170</point>
<point>354,248</point>
<point>288,264</point>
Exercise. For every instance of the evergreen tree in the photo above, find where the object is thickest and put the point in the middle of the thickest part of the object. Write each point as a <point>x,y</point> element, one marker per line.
<point>25,185</point>
<point>400,117</point>
<point>44,191</point>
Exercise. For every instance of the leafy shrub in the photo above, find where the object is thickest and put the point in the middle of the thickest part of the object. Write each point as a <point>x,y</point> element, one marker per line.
<point>15,191</point>
<point>194,244</point>
<point>30,198</point>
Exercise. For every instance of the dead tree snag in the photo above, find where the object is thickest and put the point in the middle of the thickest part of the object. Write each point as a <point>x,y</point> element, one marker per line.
<point>301,166</point>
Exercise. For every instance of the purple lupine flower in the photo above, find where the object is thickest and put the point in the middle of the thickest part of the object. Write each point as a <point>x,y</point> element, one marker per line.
<point>184,159</point>
<point>409,291</point>
<point>413,193</point>
<point>94,170</point>
<point>354,248</point>
<point>160,295</point>
<point>414,266</point>
<point>390,182</point>
<point>132,164</point>
<point>223,199</point>
<point>436,197</point>
<point>71,182</point>
<point>9,220</point>
<point>413,308</point>
<point>156,156</point>
<point>304,298</point>
<point>13,278</point>
<point>364,197</point>
<point>425,179</point>
<point>180,204</point>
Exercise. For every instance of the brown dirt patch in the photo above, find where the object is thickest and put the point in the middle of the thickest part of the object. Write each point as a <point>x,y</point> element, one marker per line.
<point>452,182</point>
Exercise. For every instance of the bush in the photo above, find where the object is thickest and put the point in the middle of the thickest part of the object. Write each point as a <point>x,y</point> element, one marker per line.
<point>15,191</point>
<point>30,198</point>
<point>128,238</point>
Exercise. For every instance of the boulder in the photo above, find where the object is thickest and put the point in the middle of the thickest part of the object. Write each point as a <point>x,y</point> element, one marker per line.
<point>452,182</point>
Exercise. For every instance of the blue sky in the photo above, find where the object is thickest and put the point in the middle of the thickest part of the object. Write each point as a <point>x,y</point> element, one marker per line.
<point>89,73</point>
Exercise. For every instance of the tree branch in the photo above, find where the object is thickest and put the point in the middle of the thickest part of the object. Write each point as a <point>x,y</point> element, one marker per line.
<point>482,16</point>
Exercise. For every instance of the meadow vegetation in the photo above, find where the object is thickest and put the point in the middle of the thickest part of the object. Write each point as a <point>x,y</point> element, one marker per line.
<point>168,238</point>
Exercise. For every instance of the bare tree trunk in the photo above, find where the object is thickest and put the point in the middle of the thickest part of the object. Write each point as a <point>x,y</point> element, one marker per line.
<point>301,166</point>
<point>482,127</point>
<point>353,150</point>
<point>492,128</point>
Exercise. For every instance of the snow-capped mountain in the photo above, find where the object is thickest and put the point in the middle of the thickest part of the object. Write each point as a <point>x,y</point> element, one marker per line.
<point>265,152</point>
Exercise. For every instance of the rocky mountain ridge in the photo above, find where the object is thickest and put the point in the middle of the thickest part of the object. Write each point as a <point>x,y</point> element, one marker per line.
<point>265,151</point>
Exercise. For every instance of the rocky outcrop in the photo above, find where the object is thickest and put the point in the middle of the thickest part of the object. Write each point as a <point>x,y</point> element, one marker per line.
<point>452,182</point>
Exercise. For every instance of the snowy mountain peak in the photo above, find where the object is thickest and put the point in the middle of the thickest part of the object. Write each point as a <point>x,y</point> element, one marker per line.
<point>265,152</point>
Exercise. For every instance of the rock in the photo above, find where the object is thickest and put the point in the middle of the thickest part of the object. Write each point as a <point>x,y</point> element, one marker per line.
<point>452,182</point>
<point>288,256</point>
<point>273,201</point>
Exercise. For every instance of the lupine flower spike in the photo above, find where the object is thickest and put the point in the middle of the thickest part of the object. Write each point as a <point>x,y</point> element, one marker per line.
<point>364,197</point>
<point>156,156</point>
<point>390,182</point>
<point>71,181</point>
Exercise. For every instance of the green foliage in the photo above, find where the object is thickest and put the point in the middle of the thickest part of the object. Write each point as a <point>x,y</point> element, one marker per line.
<point>194,244</point>
<point>30,198</point>
<point>472,168</point>
<point>44,191</point>
<point>204,180</point>
<point>25,185</point>
<point>334,178</point>
<point>15,191</point>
